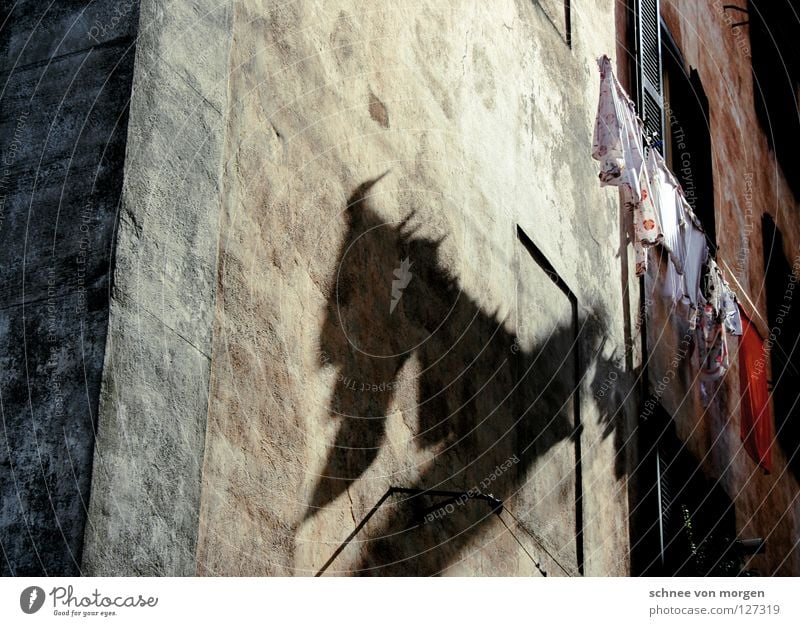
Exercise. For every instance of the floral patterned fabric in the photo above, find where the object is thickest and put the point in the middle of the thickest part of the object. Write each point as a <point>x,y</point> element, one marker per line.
<point>617,140</point>
<point>619,148</point>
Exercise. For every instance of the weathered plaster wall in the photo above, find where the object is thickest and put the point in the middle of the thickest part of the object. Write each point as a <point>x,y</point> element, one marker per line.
<point>747,183</point>
<point>65,72</point>
<point>359,137</point>
<point>153,402</point>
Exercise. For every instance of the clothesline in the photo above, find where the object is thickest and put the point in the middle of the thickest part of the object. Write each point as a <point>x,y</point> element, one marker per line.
<point>752,312</point>
<point>661,215</point>
<point>752,309</point>
<point>648,140</point>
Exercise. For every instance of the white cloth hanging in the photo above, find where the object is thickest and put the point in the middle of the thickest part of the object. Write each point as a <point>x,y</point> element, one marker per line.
<point>661,214</point>
<point>618,149</point>
<point>683,237</point>
<point>670,207</point>
<point>618,146</point>
<point>696,254</point>
<point>670,212</point>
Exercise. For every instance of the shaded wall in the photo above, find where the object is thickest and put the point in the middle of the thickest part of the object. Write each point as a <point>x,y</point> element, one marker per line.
<point>380,320</point>
<point>65,72</point>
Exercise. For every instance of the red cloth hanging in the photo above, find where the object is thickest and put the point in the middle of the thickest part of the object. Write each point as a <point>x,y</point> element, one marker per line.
<point>756,423</point>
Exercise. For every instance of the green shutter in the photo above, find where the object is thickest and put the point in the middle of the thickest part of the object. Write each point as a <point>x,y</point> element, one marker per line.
<point>648,64</point>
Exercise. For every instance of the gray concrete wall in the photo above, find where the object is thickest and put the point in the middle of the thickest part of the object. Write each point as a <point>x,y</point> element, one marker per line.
<point>360,137</point>
<point>65,79</point>
<point>153,402</point>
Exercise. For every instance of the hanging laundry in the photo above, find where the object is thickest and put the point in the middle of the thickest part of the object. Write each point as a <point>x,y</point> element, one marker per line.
<point>646,232</point>
<point>618,145</point>
<point>669,200</point>
<point>713,345</point>
<point>715,322</point>
<point>683,238</point>
<point>670,213</point>
<point>730,311</point>
<point>617,142</point>
<point>756,428</point>
<point>713,287</point>
<point>718,293</point>
<point>673,286</point>
<point>696,254</point>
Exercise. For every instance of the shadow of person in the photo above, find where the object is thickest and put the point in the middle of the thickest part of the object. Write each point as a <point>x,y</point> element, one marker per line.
<point>488,406</point>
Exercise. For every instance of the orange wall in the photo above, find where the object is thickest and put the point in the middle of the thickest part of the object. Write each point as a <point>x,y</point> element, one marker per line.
<point>747,183</point>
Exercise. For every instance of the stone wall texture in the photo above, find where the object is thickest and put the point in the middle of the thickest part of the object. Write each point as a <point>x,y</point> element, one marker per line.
<point>65,72</point>
<point>420,285</point>
<point>153,402</point>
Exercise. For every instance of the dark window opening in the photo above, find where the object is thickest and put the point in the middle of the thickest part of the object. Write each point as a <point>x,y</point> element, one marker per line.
<point>687,137</point>
<point>783,311</point>
<point>774,32</point>
<point>559,14</point>
<point>685,524</point>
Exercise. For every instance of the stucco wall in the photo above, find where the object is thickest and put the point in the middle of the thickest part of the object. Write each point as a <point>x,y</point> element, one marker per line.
<point>65,72</point>
<point>153,403</point>
<point>359,137</point>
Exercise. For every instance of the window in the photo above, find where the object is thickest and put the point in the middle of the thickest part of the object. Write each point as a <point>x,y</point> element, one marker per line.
<point>685,524</point>
<point>687,136</point>
<point>774,31</point>
<point>783,311</point>
<point>673,105</point>
<point>647,43</point>
<point>558,12</point>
